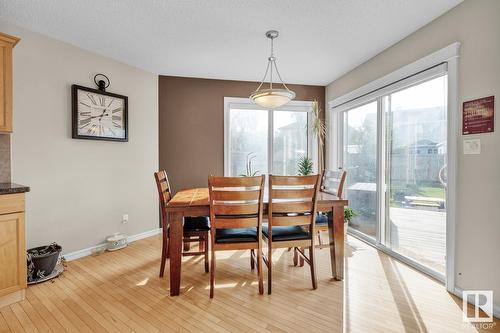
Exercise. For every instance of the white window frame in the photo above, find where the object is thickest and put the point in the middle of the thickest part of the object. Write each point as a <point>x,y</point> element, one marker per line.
<point>397,80</point>
<point>248,104</point>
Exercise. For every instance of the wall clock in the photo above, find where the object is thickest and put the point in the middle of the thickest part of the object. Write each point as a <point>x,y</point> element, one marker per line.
<point>99,115</point>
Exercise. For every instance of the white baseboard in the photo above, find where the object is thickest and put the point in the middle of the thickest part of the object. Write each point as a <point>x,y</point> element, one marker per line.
<point>496,308</point>
<point>143,235</point>
<point>88,251</point>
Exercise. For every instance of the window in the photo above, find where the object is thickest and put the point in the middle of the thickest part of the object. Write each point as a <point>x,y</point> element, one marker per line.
<point>289,141</point>
<point>259,141</point>
<point>248,142</point>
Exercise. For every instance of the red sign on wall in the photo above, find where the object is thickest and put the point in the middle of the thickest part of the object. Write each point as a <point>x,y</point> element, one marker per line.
<point>478,116</point>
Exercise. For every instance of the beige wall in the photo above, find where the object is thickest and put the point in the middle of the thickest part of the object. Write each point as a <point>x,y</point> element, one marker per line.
<point>80,188</point>
<point>192,124</point>
<point>4,158</point>
<point>476,24</point>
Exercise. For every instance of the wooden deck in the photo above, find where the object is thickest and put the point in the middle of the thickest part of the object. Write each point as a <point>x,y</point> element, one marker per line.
<point>121,292</point>
<point>420,234</point>
<point>417,233</point>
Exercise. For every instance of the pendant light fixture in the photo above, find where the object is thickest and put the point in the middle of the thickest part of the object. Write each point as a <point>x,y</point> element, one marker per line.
<point>272,97</point>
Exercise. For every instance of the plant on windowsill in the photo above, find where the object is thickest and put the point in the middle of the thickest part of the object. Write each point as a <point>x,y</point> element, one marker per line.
<point>249,172</point>
<point>305,166</point>
<point>349,214</point>
<point>319,132</point>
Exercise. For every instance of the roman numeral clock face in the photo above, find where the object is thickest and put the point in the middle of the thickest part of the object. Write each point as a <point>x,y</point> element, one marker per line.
<point>99,116</point>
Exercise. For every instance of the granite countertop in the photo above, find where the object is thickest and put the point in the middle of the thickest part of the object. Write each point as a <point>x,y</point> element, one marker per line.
<point>10,188</point>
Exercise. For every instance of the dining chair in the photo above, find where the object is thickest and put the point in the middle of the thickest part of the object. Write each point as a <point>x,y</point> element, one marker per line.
<point>236,208</point>
<point>196,229</point>
<point>331,182</point>
<point>291,219</point>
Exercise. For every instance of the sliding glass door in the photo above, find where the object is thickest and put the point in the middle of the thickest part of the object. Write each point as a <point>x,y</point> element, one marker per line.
<point>360,161</point>
<point>393,145</point>
<point>416,172</point>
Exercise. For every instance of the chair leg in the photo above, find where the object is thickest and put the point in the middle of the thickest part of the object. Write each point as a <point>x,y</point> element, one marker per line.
<point>164,253</point>
<point>301,260</point>
<point>212,273</point>
<point>252,262</point>
<point>313,267</point>
<point>269,268</point>
<point>295,257</point>
<point>259,271</point>
<point>205,248</point>
<point>187,246</point>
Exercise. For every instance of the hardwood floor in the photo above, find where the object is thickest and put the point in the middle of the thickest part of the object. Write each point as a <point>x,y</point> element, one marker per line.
<point>121,292</point>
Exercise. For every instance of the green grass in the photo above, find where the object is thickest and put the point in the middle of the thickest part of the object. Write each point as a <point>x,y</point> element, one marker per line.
<point>433,192</point>
<point>399,190</point>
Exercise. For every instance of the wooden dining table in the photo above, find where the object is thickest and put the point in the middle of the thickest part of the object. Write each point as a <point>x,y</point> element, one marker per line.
<point>195,202</point>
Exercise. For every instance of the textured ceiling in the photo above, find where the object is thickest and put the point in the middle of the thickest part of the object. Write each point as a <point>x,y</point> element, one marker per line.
<point>319,39</point>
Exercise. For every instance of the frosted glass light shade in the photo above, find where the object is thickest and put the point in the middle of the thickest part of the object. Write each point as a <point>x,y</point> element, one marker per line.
<point>272,98</point>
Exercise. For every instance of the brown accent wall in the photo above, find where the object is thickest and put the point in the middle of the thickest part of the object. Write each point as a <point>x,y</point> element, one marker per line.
<point>191,125</point>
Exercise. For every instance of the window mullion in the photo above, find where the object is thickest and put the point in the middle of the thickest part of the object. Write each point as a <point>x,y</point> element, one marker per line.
<point>341,117</point>
<point>381,170</point>
<point>270,141</point>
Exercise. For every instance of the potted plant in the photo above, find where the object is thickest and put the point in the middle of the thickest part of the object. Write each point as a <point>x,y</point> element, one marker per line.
<point>305,166</point>
<point>249,172</point>
<point>319,132</point>
<point>349,214</point>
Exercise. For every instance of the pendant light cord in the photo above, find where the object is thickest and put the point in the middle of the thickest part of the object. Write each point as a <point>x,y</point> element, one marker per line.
<point>265,75</point>
<point>277,72</point>
<point>271,61</point>
<point>272,47</point>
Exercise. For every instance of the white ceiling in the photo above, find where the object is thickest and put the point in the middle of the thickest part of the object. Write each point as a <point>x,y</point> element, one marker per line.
<point>319,39</point>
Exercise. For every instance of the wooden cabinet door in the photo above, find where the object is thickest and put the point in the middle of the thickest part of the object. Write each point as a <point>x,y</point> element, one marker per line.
<point>7,42</point>
<point>12,253</point>
<point>5,86</point>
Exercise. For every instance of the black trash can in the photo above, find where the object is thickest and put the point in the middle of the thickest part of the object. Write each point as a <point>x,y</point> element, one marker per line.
<point>42,260</point>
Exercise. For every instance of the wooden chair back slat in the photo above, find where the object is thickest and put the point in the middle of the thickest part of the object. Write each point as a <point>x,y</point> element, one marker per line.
<point>293,207</point>
<point>292,194</point>
<point>294,180</point>
<point>236,209</point>
<point>236,195</point>
<point>164,191</point>
<point>236,202</point>
<point>217,181</point>
<point>279,221</point>
<point>333,182</point>
<point>244,222</point>
<point>163,186</point>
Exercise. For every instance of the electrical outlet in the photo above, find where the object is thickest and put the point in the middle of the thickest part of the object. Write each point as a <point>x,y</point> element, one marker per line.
<point>125,218</point>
